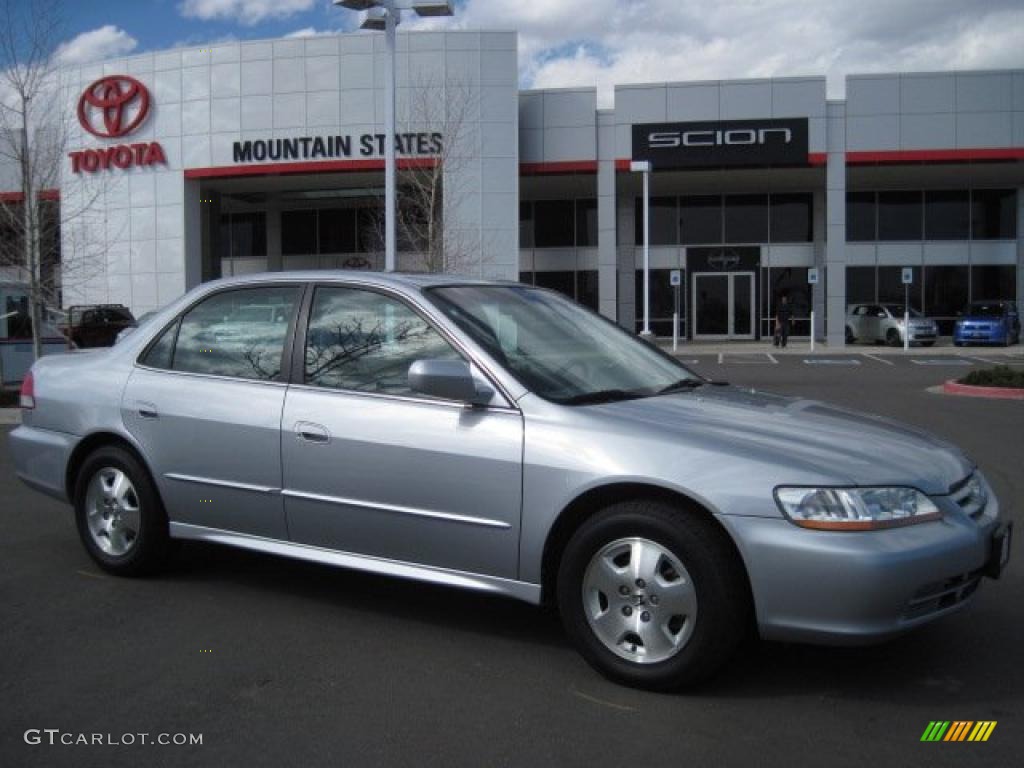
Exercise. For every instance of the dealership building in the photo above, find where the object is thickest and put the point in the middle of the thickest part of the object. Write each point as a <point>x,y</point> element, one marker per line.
<point>191,164</point>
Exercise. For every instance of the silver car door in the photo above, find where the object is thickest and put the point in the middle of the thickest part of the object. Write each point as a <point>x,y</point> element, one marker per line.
<point>205,404</point>
<point>371,468</point>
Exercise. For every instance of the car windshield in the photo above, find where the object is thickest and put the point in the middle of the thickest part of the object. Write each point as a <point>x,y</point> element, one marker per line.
<point>557,349</point>
<point>896,310</point>
<point>985,310</point>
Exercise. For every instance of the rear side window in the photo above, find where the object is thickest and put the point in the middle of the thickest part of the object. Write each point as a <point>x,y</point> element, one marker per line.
<point>238,333</point>
<point>365,341</point>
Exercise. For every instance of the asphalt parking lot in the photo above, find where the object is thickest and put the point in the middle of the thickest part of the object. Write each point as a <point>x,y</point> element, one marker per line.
<point>283,663</point>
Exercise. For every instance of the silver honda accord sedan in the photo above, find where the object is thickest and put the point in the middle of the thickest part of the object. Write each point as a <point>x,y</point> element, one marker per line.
<point>498,437</point>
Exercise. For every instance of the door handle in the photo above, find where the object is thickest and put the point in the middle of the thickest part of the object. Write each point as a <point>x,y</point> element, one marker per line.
<point>312,433</point>
<point>148,411</point>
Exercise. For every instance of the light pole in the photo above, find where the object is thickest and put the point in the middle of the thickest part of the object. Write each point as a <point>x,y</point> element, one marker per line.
<point>644,167</point>
<point>385,15</point>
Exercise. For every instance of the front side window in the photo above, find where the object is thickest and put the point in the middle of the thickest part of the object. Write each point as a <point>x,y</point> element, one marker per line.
<point>558,349</point>
<point>239,333</point>
<point>365,341</point>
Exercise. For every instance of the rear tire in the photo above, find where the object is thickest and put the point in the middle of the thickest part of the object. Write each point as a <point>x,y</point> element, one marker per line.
<point>850,338</point>
<point>677,568</point>
<point>892,338</point>
<point>120,518</point>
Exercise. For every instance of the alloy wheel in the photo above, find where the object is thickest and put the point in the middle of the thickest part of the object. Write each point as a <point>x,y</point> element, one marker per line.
<point>113,511</point>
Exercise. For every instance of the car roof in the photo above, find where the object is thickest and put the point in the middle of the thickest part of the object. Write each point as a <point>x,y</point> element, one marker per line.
<point>416,280</point>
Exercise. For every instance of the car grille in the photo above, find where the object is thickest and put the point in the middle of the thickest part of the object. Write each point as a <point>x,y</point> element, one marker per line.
<point>970,495</point>
<point>941,595</point>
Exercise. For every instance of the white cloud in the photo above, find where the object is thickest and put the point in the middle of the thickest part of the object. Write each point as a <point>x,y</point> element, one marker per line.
<point>245,11</point>
<point>604,42</point>
<point>105,42</point>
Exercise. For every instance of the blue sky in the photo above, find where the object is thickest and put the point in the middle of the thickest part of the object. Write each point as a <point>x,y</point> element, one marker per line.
<point>603,42</point>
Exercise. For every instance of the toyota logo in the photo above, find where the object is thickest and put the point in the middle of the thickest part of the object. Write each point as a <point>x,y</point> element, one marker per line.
<point>113,106</point>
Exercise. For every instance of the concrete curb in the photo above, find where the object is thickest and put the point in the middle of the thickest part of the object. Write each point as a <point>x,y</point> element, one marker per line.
<point>952,387</point>
<point>10,416</point>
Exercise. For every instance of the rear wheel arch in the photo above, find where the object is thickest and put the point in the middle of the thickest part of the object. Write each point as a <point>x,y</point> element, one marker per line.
<point>594,500</point>
<point>87,445</point>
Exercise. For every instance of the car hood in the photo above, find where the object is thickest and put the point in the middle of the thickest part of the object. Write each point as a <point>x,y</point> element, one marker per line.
<point>981,320</point>
<point>854,448</point>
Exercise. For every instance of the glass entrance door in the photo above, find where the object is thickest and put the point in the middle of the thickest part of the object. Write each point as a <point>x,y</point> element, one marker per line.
<point>723,305</point>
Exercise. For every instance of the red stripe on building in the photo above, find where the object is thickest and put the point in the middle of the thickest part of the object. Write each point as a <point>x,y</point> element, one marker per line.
<point>813,158</point>
<point>900,156</point>
<point>17,197</point>
<point>568,166</point>
<point>289,169</point>
<point>817,158</point>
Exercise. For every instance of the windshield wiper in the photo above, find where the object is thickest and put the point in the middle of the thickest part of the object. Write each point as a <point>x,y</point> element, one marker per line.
<point>683,385</point>
<point>602,396</point>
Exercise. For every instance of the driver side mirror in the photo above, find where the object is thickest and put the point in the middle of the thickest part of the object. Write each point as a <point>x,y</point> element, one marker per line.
<point>882,314</point>
<point>448,380</point>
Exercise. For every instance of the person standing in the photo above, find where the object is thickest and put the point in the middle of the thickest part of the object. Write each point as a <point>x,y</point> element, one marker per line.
<point>783,315</point>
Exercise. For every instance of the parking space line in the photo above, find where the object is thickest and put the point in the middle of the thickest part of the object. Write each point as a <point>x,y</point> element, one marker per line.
<point>943,361</point>
<point>772,358</point>
<point>831,361</point>
<point>720,356</point>
<point>878,359</point>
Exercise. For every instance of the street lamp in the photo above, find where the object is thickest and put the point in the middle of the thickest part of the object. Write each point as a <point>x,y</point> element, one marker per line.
<point>385,16</point>
<point>644,167</point>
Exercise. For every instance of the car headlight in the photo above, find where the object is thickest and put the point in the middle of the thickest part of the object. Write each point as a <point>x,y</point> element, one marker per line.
<point>855,509</point>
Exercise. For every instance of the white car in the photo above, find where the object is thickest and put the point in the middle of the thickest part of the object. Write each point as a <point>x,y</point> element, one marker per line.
<point>885,323</point>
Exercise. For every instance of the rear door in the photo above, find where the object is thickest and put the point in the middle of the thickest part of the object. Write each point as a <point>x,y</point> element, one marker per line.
<point>371,467</point>
<point>205,404</point>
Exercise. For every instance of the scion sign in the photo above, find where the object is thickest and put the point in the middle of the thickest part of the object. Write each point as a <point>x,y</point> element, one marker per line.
<point>727,143</point>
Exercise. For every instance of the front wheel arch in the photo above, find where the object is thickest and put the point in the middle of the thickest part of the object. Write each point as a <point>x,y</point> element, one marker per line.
<point>593,501</point>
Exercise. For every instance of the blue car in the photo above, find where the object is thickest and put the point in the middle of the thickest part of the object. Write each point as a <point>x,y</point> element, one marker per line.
<point>988,322</point>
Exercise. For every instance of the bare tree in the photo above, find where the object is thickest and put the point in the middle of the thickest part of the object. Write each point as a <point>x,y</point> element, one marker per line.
<point>33,142</point>
<point>431,193</point>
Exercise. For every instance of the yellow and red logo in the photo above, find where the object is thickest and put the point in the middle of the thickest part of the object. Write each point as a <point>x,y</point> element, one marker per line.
<point>958,730</point>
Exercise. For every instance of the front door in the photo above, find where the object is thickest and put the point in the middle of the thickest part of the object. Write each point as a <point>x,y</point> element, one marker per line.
<point>372,468</point>
<point>723,305</point>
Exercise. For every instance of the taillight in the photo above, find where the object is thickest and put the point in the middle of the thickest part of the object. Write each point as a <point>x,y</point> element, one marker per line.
<point>28,392</point>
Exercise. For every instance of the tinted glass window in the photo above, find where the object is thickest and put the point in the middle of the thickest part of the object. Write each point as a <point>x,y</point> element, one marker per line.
<point>563,282</point>
<point>161,353</point>
<point>791,218</point>
<point>899,215</point>
<point>586,223</point>
<point>993,282</point>
<point>947,215</point>
<point>664,221</point>
<point>369,230</point>
<point>860,284</point>
<point>746,218</point>
<point>337,228</point>
<point>994,214</point>
<point>945,294</point>
<point>365,341</point>
<point>700,219</point>
<point>526,224</point>
<point>554,223</point>
<point>586,288</point>
<point>237,333</point>
<point>298,232</point>
<point>860,216</point>
<point>891,289</point>
<point>526,277</point>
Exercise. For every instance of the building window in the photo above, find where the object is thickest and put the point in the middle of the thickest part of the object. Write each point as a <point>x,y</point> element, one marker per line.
<point>664,221</point>
<point>564,282</point>
<point>746,218</point>
<point>947,215</point>
<point>899,215</point>
<point>587,288</point>
<point>860,285</point>
<point>243,235</point>
<point>336,228</point>
<point>663,302</point>
<point>554,223</point>
<point>790,282</point>
<point>861,216</point>
<point>526,224</point>
<point>993,282</point>
<point>945,294</point>
<point>298,233</point>
<point>994,214</point>
<point>526,277</point>
<point>791,220</point>
<point>700,220</point>
<point>586,223</point>
<point>891,289</point>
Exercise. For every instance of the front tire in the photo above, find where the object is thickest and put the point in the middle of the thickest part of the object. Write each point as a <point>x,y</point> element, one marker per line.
<point>119,515</point>
<point>892,338</point>
<point>653,596</point>
<point>850,338</point>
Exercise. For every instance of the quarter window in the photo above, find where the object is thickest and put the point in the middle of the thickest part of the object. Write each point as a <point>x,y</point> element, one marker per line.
<point>365,341</point>
<point>238,333</point>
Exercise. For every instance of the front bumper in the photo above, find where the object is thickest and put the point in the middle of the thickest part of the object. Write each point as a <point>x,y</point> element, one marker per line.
<point>848,588</point>
<point>982,334</point>
<point>41,458</point>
